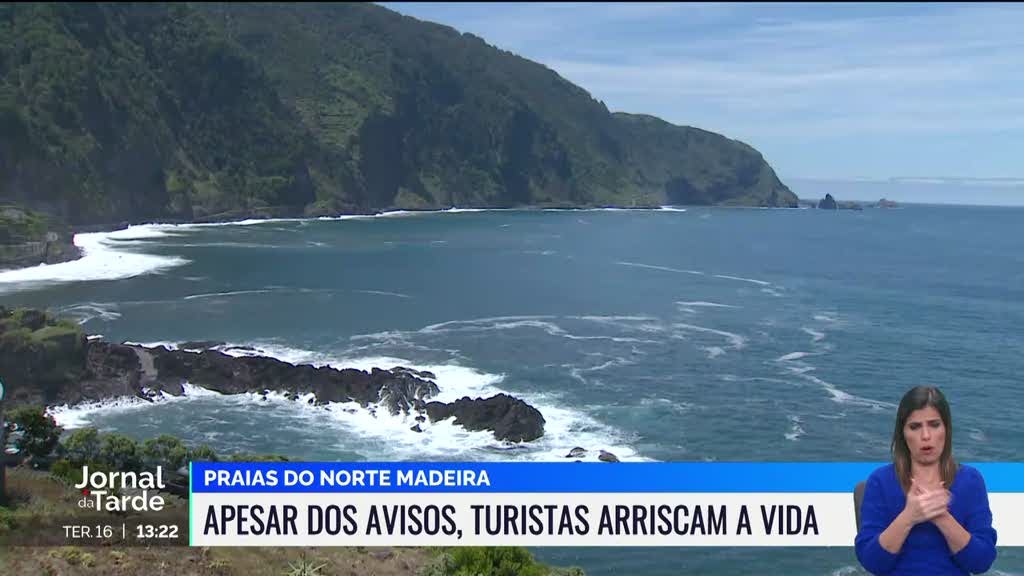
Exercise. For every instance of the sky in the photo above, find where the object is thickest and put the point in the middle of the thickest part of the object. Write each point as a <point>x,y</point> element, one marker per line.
<point>826,92</point>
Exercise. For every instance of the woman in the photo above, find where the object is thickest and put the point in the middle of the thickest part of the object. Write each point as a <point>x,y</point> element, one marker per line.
<point>924,513</point>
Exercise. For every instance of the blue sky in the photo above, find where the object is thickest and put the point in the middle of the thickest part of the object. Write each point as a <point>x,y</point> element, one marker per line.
<point>865,91</point>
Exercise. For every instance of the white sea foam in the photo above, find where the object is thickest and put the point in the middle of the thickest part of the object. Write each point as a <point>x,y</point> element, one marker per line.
<point>674,405</point>
<point>142,232</point>
<point>224,294</point>
<point>816,336</point>
<point>977,435</point>
<point>635,323</point>
<point>614,319</point>
<point>795,430</point>
<point>565,428</point>
<point>695,272</point>
<point>478,322</point>
<point>80,415</point>
<point>672,209</point>
<point>713,351</point>
<point>662,268</point>
<point>838,395</point>
<point>741,279</point>
<point>736,341</point>
<point>702,304</point>
<point>105,256</point>
<point>614,362</point>
<point>517,322</point>
<point>383,293</point>
<point>793,356</point>
<point>85,312</point>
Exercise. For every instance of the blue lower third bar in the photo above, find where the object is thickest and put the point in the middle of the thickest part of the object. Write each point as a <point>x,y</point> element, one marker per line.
<point>555,477</point>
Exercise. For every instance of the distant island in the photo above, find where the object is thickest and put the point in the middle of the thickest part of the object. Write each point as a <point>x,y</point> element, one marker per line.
<point>128,113</point>
<point>830,203</point>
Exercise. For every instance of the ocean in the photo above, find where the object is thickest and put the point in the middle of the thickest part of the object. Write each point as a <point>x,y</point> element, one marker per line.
<point>686,334</point>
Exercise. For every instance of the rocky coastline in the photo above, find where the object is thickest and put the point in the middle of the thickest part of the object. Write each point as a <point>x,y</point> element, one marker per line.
<point>51,362</point>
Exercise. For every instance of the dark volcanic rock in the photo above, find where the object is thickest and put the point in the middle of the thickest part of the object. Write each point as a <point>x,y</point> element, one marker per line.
<point>226,374</point>
<point>827,203</point>
<point>417,373</point>
<point>508,417</point>
<point>401,391</point>
<point>106,370</point>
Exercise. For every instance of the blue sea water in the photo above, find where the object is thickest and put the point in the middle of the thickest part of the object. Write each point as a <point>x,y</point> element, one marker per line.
<point>701,334</point>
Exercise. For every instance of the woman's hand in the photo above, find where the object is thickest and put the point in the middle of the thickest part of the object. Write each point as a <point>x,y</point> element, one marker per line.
<point>926,503</point>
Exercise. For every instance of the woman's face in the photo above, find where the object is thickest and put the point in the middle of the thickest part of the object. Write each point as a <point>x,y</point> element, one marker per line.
<point>925,434</point>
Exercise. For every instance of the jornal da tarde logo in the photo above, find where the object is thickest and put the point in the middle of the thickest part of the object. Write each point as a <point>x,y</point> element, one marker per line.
<point>121,491</point>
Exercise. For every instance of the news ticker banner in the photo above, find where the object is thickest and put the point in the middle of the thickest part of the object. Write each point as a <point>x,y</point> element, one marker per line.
<point>547,504</point>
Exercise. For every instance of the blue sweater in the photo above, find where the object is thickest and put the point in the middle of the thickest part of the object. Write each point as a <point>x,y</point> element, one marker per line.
<point>925,550</point>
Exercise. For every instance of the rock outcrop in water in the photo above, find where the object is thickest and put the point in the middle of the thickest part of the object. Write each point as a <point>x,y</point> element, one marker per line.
<point>510,418</point>
<point>58,365</point>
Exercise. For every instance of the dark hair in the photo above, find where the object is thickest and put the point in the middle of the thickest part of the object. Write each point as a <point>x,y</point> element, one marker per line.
<point>915,399</point>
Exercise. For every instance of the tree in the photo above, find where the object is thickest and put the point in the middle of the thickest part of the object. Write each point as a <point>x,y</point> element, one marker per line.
<point>36,433</point>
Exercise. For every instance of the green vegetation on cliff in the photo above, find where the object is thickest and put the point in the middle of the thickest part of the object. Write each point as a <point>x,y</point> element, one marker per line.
<point>28,237</point>
<point>128,112</point>
<point>37,347</point>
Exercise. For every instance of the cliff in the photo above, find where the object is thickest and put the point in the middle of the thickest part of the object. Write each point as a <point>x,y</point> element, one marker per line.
<point>114,113</point>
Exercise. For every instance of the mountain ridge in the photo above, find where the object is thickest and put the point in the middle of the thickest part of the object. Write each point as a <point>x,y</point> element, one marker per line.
<point>133,113</point>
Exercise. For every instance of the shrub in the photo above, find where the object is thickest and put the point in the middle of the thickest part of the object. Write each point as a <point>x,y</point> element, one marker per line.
<point>486,561</point>
<point>166,451</point>
<point>304,567</point>
<point>66,471</point>
<point>6,520</point>
<point>202,454</point>
<point>74,556</point>
<point>82,446</point>
<point>120,453</point>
